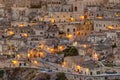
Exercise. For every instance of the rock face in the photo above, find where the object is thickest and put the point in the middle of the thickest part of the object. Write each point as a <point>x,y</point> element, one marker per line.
<point>43,76</point>
<point>19,73</point>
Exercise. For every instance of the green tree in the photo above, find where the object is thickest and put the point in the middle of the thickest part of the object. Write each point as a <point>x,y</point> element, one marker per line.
<point>61,76</point>
<point>1,73</point>
<point>70,51</point>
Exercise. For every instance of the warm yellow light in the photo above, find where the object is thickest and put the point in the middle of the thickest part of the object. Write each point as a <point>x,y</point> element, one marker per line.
<point>99,17</point>
<point>52,20</point>
<point>72,19</point>
<point>118,28</point>
<point>14,62</point>
<point>117,14</point>
<point>48,48</point>
<point>110,27</point>
<point>82,17</point>
<point>21,25</point>
<point>34,23</point>
<point>85,46</point>
<point>42,46</point>
<point>28,55</point>
<point>25,35</point>
<point>77,32</point>
<point>87,70</point>
<point>78,68</point>
<point>41,19</point>
<point>64,64</point>
<point>31,52</point>
<point>70,36</point>
<point>11,33</point>
<point>52,50</point>
<point>35,62</point>
<point>95,56</point>
<point>41,54</point>
<point>18,56</point>
<point>60,48</point>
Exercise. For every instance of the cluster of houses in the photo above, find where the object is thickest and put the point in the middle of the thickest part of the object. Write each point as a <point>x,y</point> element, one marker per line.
<point>92,26</point>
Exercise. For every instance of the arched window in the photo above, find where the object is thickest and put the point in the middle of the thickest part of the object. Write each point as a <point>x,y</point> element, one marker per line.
<point>74,30</point>
<point>75,8</point>
<point>19,64</point>
<point>24,64</point>
<point>68,30</point>
<point>91,73</point>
